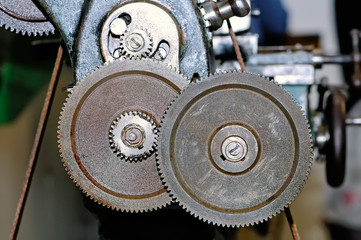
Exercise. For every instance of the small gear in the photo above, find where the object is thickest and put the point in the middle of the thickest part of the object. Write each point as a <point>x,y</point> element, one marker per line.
<point>136,42</point>
<point>25,17</point>
<point>234,149</point>
<point>132,136</point>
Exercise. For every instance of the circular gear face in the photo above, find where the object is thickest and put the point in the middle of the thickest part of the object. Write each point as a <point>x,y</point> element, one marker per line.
<point>132,136</point>
<point>116,88</point>
<point>234,149</point>
<point>136,42</point>
<point>25,17</point>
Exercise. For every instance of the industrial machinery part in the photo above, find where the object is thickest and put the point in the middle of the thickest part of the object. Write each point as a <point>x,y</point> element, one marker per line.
<point>234,149</point>
<point>25,17</point>
<point>132,136</point>
<point>141,29</point>
<point>214,13</point>
<point>335,146</point>
<point>136,42</point>
<point>124,98</point>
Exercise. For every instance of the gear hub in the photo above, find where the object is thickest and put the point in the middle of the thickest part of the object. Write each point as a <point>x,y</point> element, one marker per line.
<point>132,136</point>
<point>136,42</point>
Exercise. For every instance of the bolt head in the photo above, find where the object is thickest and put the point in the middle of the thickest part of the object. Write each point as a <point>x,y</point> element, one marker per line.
<point>133,135</point>
<point>134,42</point>
<point>234,149</point>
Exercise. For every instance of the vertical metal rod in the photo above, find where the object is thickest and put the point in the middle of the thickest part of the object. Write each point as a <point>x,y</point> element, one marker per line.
<point>292,224</point>
<point>37,143</point>
<point>236,47</point>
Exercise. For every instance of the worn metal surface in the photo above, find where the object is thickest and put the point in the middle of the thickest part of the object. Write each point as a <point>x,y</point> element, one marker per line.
<point>136,42</point>
<point>117,87</point>
<point>148,24</point>
<point>132,136</point>
<point>229,196</point>
<point>23,16</point>
<point>88,50</point>
<point>66,16</point>
<point>37,143</point>
<point>215,13</point>
<point>290,74</point>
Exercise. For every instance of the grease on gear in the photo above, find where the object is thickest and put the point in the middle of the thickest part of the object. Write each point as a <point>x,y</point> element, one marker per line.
<point>117,87</point>
<point>25,17</point>
<point>136,42</point>
<point>234,149</point>
<point>132,136</point>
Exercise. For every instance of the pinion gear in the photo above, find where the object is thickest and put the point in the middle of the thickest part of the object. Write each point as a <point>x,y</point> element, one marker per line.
<point>136,42</point>
<point>132,136</point>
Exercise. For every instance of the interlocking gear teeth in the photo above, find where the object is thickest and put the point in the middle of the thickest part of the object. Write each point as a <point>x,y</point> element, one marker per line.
<point>306,143</point>
<point>136,42</point>
<point>72,166</point>
<point>121,150</point>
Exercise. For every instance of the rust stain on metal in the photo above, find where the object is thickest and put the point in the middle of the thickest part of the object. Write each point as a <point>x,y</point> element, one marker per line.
<point>37,143</point>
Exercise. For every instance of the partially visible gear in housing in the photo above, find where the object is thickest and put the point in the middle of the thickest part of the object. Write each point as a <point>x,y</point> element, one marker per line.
<point>25,17</point>
<point>234,149</point>
<point>122,86</point>
<point>132,136</point>
<point>136,42</point>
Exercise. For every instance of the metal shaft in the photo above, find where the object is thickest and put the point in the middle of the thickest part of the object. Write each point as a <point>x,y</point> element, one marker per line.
<point>353,121</point>
<point>236,47</point>
<point>37,143</point>
<point>292,224</point>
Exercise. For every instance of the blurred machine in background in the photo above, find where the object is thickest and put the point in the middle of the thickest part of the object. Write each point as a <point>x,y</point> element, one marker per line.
<point>158,119</point>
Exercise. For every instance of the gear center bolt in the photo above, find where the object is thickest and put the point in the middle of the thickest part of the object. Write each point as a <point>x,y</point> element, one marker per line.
<point>133,136</point>
<point>234,148</point>
<point>134,42</point>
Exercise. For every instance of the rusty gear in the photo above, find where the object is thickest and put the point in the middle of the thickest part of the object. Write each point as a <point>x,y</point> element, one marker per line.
<point>117,87</point>
<point>234,149</point>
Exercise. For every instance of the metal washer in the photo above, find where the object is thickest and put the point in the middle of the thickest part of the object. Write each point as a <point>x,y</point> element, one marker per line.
<point>217,145</point>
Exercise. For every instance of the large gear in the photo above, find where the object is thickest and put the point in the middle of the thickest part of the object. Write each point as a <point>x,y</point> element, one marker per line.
<point>136,42</point>
<point>132,136</point>
<point>234,149</point>
<point>25,17</point>
<point>118,87</point>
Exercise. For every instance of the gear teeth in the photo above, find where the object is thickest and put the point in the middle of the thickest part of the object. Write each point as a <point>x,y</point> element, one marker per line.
<point>30,33</point>
<point>114,146</point>
<point>147,41</point>
<point>222,224</point>
<point>68,169</point>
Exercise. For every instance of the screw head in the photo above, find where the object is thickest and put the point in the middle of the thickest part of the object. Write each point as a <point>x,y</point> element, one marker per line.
<point>234,148</point>
<point>134,42</point>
